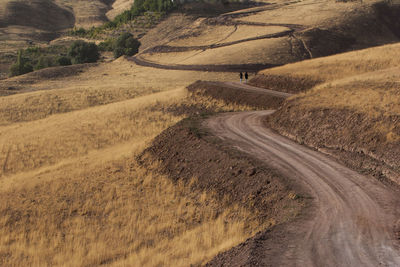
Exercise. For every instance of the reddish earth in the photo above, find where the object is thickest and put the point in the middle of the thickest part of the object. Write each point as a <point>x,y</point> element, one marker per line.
<point>239,93</point>
<point>186,152</point>
<point>349,136</point>
<point>353,220</point>
<point>284,83</point>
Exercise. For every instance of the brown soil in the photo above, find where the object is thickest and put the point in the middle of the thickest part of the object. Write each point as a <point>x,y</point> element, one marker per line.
<point>345,134</point>
<point>187,152</point>
<point>350,213</point>
<point>224,91</point>
<point>284,83</point>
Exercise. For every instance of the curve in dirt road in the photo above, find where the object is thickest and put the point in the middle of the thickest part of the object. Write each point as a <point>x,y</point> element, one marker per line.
<point>353,216</point>
<point>208,68</point>
<point>224,19</point>
<point>170,49</point>
<point>254,89</point>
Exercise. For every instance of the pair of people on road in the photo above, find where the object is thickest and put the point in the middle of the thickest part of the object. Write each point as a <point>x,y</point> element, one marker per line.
<point>246,76</point>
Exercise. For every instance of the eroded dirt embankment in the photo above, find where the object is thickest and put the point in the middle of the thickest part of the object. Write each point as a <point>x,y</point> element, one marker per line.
<point>360,141</point>
<point>225,92</point>
<point>284,83</point>
<point>188,154</point>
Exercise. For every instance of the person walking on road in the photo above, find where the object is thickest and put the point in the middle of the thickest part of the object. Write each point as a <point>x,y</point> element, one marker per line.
<point>246,76</point>
<point>241,77</point>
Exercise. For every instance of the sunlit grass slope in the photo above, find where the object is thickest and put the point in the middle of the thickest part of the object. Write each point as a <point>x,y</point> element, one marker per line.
<point>365,80</point>
<point>97,85</point>
<point>92,212</point>
<point>72,194</point>
<point>354,109</point>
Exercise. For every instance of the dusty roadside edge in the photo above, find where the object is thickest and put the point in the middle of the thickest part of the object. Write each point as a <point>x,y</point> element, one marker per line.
<point>226,93</point>
<point>187,150</point>
<point>356,147</point>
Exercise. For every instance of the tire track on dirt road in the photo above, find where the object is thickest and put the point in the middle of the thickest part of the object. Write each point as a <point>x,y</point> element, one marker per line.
<point>352,216</point>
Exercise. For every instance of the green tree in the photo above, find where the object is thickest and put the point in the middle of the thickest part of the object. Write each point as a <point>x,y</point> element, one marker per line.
<point>22,65</point>
<point>83,52</point>
<point>64,61</point>
<point>126,45</point>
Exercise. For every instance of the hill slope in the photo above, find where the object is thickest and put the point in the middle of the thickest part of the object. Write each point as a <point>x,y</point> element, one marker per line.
<point>274,34</point>
<point>352,112</point>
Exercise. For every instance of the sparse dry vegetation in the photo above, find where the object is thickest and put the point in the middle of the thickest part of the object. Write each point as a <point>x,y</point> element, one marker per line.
<point>116,214</point>
<point>72,192</point>
<point>354,109</point>
<point>73,195</point>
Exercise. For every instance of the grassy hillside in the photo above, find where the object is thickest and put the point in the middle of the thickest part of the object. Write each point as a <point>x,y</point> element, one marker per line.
<point>278,33</point>
<point>353,111</point>
<point>72,192</point>
<point>72,189</point>
<point>79,198</point>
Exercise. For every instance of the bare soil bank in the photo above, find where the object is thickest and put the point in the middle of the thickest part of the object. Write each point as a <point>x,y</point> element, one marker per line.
<point>186,152</point>
<point>351,137</point>
<point>224,92</point>
<point>284,83</point>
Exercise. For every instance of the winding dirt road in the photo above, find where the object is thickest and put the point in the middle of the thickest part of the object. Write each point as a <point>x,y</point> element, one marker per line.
<point>352,216</point>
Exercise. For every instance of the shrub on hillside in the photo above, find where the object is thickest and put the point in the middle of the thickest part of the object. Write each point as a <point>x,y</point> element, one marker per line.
<point>126,45</point>
<point>107,45</point>
<point>45,62</point>
<point>64,61</point>
<point>22,65</point>
<point>139,7</point>
<point>83,52</point>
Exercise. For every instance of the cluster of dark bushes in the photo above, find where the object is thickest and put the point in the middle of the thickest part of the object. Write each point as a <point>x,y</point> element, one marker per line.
<point>139,7</point>
<point>125,44</point>
<point>36,58</point>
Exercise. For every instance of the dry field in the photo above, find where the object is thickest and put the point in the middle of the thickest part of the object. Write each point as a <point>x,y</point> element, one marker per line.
<point>365,80</point>
<point>355,108</point>
<point>332,28</point>
<point>97,85</point>
<point>71,191</point>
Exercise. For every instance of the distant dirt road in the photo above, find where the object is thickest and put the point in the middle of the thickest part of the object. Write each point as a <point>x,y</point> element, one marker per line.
<point>353,217</point>
<point>246,87</point>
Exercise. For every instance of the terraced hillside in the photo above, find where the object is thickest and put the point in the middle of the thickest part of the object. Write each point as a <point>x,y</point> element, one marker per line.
<point>108,163</point>
<point>350,107</point>
<point>272,35</point>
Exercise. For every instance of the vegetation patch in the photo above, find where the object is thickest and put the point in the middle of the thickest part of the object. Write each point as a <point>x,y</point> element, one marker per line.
<point>36,58</point>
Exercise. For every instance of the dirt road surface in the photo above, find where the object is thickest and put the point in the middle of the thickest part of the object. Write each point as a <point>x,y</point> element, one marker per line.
<point>352,219</point>
<point>249,88</point>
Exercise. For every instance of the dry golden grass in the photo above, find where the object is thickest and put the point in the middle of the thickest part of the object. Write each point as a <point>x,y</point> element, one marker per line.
<point>224,34</point>
<point>113,213</point>
<point>34,144</point>
<point>209,35</point>
<point>118,7</point>
<point>74,195</point>
<point>344,65</point>
<point>374,93</point>
<point>299,13</point>
<point>251,52</point>
<point>103,84</point>
<point>365,82</point>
